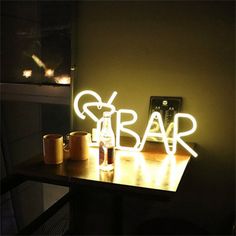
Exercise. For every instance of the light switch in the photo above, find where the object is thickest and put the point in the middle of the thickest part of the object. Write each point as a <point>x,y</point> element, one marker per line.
<point>168,107</point>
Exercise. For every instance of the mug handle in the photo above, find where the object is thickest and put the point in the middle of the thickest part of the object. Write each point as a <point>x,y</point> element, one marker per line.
<point>66,148</point>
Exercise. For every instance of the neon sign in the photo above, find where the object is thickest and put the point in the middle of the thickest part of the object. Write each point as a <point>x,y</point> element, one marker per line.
<point>121,126</point>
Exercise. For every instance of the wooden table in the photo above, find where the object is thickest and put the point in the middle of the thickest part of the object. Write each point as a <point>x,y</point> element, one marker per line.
<point>98,195</point>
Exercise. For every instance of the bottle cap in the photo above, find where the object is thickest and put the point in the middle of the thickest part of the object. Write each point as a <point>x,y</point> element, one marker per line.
<point>106,114</point>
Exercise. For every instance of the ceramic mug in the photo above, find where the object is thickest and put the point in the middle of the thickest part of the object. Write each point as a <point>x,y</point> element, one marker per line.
<point>53,148</point>
<point>78,147</point>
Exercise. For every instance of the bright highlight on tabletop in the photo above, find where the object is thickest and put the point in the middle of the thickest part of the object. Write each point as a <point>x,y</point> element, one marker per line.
<point>121,126</point>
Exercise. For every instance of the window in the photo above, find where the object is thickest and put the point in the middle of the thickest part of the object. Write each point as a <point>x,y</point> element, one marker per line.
<point>36,42</point>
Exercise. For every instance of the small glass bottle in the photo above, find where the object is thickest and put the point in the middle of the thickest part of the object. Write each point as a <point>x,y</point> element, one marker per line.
<point>106,144</point>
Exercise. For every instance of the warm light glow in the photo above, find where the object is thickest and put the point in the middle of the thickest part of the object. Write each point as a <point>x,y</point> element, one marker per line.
<point>120,128</point>
<point>112,98</point>
<point>27,73</point>
<point>49,73</point>
<point>63,79</point>
<point>177,136</point>
<point>99,104</point>
<point>142,167</point>
<point>167,174</point>
<point>169,129</point>
<point>38,61</point>
<point>78,97</point>
<point>134,167</point>
<point>161,133</point>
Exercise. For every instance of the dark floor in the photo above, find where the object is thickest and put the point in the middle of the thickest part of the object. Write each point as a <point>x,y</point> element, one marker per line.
<point>57,224</point>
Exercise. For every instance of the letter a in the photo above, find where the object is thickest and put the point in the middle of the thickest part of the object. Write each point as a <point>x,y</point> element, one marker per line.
<point>162,134</point>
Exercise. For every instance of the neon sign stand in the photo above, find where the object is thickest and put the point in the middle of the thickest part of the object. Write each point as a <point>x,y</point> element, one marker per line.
<point>121,126</point>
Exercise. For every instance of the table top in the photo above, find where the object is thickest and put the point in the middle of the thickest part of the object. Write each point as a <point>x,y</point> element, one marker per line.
<point>149,171</point>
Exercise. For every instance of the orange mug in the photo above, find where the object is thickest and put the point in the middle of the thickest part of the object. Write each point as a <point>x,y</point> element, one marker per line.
<point>78,147</point>
<point>53,148</point>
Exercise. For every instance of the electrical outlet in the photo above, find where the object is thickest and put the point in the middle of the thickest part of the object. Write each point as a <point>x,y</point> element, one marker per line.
<point>167,107</point>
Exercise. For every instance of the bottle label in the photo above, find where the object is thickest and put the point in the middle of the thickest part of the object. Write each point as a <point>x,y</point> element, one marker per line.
<point>101,153</point>
<point>110,155</point>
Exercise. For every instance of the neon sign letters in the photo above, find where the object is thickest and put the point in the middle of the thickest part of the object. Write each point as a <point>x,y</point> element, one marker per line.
<point>121,126</point>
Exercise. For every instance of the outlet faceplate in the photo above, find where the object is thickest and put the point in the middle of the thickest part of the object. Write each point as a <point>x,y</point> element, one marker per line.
<point>168,107</point>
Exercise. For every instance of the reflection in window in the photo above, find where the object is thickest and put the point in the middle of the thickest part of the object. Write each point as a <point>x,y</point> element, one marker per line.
<point>36,42</point>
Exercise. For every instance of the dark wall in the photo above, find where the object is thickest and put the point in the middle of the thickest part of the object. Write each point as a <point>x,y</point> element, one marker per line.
<point>186,49</point>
